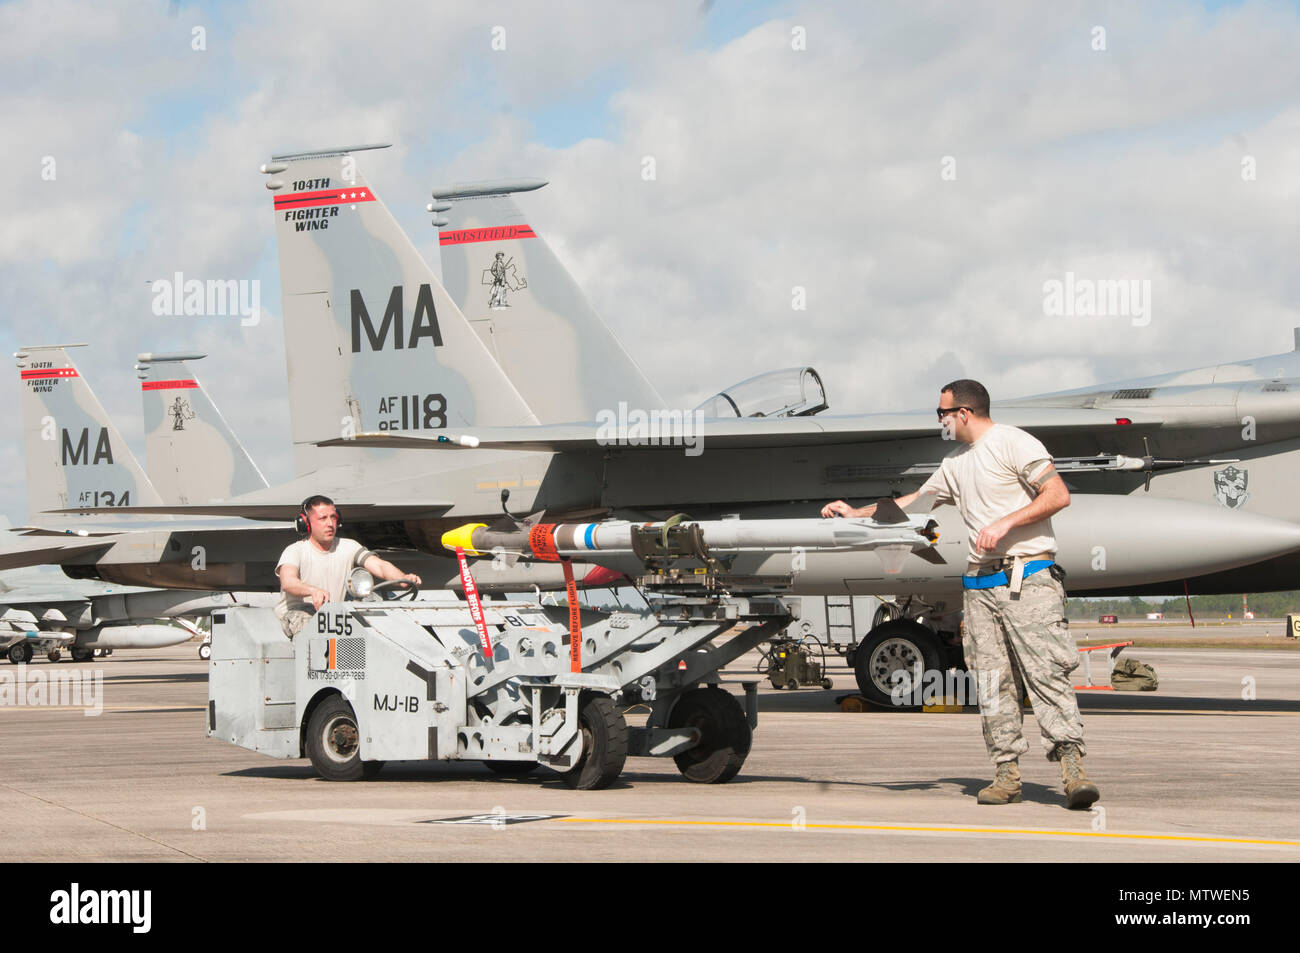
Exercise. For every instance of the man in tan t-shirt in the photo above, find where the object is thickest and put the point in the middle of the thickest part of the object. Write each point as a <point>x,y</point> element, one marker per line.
<point>315,570</point>
<point>1014,633</point>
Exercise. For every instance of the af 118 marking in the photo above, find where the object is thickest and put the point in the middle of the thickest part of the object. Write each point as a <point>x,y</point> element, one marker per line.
<point>427,412</point>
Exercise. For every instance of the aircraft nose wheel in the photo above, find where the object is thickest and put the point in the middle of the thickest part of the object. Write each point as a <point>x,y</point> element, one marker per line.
<point>334,744</point>
<point>725,735</point>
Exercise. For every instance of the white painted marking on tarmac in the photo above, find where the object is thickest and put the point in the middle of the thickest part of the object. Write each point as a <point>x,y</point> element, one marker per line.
<point>392,817</point>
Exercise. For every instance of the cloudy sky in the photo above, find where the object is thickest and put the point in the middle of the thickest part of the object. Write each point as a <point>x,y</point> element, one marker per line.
<point>919,169</point>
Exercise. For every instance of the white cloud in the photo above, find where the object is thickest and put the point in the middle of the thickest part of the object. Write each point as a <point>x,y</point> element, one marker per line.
<point>776,168</point>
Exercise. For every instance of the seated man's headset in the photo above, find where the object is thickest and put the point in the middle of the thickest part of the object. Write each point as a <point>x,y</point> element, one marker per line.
<point>302,523</point>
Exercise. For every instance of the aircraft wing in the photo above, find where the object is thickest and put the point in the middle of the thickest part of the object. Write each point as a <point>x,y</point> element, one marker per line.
<point>642,432</point>
<point>26,597</point>
<point>36,550</point>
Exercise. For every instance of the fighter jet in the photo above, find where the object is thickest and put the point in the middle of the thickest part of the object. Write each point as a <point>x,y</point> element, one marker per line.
<point>1240,409</point>
<point>76,454</point>
<point>382,363</point>
<point>41,613</point>
<point>1237,418</point>
<point>400,412</point>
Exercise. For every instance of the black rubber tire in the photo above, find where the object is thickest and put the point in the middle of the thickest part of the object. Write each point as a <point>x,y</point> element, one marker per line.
<point>205,651</point>
<point>604,745</point>
<point>21,653</point>
<point>511,769</point>
<point>911,641</point>
<point>82,655</point>
<point>792,685</point>
<point>725,735</point>
<point>333,760</point>
<point>827,684</point>
<point>54,655</point>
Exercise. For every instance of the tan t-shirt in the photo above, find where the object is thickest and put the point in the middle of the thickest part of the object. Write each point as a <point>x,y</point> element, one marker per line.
<point>990,479</point>
<point>324,570</point>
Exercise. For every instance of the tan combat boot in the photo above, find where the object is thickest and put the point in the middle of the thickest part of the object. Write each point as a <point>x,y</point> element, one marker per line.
<point>1079,791</point>
<point>1005,788</point>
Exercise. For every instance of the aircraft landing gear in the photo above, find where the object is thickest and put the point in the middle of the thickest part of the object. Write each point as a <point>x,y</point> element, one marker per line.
<point>900,646</point>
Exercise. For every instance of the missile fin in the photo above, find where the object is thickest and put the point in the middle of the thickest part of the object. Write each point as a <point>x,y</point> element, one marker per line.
<point>888,512</point>
<point>931,555</point>
<point>892,557</point>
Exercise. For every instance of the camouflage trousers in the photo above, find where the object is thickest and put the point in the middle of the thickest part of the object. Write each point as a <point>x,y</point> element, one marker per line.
<point>1018,646</point>
<point>293,622</point>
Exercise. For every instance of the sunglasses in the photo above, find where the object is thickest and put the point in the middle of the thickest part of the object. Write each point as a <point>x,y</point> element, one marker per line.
<point>945,411</point>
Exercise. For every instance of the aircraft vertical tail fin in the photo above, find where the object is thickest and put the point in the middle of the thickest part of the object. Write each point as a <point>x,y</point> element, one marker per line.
<point>372,339</point>
<point>75,454</point>
<point>191,454</point>
<point>528,309</point>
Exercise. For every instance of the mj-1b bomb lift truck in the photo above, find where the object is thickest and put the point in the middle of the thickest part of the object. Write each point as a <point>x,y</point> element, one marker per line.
<point>367,682</point>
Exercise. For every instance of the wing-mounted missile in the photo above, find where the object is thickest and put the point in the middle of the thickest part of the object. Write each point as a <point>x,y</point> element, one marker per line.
<point>1148,464</point>
<point>710,546</point>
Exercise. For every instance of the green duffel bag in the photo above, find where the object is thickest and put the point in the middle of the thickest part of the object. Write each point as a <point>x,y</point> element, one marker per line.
<point>1130,675</point>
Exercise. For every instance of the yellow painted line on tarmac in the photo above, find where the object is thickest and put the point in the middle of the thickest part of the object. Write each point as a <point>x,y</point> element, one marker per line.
<point>929,830</point>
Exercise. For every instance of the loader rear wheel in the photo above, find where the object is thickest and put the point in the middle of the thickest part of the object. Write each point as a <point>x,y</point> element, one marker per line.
<point>20,654</point>
<point>604,745</point>
<point>725,736</point>
<point>334,743</point>
<point>82,655</point>
<point>53,655</point>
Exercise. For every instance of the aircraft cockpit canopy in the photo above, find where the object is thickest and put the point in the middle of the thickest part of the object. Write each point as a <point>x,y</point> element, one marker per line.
<point>790,392</point>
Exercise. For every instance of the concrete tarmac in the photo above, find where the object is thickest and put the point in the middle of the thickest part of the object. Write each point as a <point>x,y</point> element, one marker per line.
<point>1204,769</point>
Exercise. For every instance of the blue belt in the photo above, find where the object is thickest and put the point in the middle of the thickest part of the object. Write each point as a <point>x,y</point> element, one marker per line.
<point>991,580</point>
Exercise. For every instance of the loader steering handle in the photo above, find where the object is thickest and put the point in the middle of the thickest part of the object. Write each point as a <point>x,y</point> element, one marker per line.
<point>410,589</point>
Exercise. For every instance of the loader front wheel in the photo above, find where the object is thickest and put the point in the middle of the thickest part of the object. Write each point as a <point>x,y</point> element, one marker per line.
<point>334,743</point>
<point>604,745</point>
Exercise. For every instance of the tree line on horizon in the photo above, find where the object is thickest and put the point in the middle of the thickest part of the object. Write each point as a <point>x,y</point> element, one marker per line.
<point>1265,605</point>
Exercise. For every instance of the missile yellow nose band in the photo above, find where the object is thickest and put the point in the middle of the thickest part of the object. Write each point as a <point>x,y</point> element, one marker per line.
<point>460,536</point>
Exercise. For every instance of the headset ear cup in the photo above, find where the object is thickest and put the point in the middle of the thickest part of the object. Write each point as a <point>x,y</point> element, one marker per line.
<point>300,525</point>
